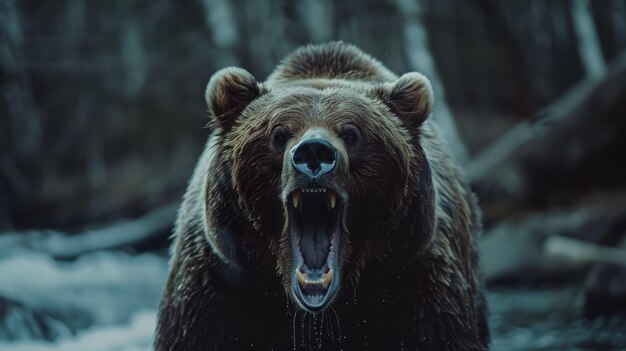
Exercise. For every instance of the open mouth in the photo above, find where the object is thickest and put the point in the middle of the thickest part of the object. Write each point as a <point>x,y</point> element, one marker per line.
<point>314,225</point>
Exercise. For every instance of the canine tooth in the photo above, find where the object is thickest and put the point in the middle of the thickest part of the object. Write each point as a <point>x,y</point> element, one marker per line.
<point>300,277</point>
<point>296,198</point>
<point>328,278</point>
<point>332,198</point>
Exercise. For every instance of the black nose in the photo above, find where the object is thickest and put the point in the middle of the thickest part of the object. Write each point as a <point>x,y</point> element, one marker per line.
<point>314,157</point>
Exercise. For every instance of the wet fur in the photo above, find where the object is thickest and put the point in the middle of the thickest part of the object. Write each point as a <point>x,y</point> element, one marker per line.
<point>410,278</point>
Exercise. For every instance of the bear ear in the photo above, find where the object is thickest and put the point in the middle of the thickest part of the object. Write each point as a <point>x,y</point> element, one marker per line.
<point>229,91</point>
<point>410,98</point>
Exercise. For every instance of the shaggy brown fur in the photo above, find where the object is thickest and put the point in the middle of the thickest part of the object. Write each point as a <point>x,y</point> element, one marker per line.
<point>409,275</point>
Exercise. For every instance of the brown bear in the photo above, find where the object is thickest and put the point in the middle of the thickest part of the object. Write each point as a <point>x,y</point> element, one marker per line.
<point>325,213</point>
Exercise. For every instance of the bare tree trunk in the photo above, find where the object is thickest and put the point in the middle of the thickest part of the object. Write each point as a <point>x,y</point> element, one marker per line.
<point>420,59</point>
<point>268,37</point>
<point>24,118</point>
<point>317,16</point>
<point>134,56</point>
<point>619,21</point>
<point>500,28</point>
<point>570,131</point>
<point>219,19</point>
<point>588,42</point>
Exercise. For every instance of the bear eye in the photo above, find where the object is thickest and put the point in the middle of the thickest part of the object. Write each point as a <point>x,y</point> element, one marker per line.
<point>350,135</point>
<point>280,136</point>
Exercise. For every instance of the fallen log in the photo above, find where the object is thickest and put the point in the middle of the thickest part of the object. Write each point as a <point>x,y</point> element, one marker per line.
<point>589,98</point>
<point>578,252</point>
<point>564,152</point>
<point>553,244</point>
<point>153,226</point>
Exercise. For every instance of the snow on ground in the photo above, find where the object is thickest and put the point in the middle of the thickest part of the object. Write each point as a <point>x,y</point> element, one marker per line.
<point>101,301</point>
<point>134,336</point>
<point>108,285</point>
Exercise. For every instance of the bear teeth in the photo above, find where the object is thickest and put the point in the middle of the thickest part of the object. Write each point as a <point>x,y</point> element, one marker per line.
<point>296,195</point>
<point>300,277</point>
<point>332,199</point>
<point>328,278</point>
<point>303,280</point>
<point>314,190</point>
<point>296,198</point>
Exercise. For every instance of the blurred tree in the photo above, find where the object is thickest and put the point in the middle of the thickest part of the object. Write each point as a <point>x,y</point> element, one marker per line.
<point>102,105</point>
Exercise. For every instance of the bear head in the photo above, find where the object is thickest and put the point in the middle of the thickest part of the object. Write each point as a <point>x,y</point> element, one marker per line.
<point>328,173</point>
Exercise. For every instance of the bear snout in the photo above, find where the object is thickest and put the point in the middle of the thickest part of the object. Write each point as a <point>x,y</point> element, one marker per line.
<point>314,157</point>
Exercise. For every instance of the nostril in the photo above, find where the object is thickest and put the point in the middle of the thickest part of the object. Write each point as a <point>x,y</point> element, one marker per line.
<point>313,157</point>
<point>301,155</point>
<point>325,154</point>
